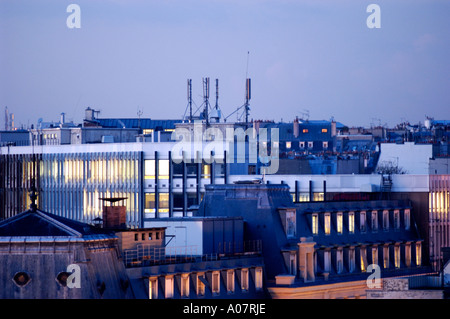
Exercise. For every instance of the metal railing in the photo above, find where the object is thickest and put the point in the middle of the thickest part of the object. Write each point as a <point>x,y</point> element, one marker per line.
<point>149,255</point>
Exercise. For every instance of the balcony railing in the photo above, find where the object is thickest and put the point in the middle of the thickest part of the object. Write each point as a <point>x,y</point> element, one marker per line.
<point>149,255</point>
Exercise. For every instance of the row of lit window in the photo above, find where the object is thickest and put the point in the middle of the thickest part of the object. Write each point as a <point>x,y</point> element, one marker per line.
<point>98,170</point>
<point>308,144</point>
<point>439,202</point>
<point>363,263</point>
<point>201,283</point>
<point>362,221</point>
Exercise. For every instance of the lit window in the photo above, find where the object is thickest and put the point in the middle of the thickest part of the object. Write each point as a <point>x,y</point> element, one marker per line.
<point>418,254</point>
<point>288,145</point>
<point>386,257</point>
<point>200,284</point>
<point>153,288</point>
<point>324,130</point>
<point>363,257</point>
<point>244,279</point>
<point>375,255</point>
<point>408,255</point>
<point>324,145</point>
<point>258,278</point>
<point>397,256</point>
<point>163,169</point>
<point>305,130</point>
<point>206,170</point>
<point>230,281</point>
<point>351,222</point>
<point>185,285</point>
<point>168,287</point>
<point>327,223</point>
<point>163,202</point>
<point>215,282</point>
<point>339,221</point>
<point>149,202</point>
<point>315,224</point>
<point>149,169</point>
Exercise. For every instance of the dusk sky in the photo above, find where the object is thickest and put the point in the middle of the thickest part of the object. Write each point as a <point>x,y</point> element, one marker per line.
<point>315,56</point>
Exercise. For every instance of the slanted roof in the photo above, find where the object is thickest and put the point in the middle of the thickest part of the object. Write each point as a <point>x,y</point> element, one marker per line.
<point>39,223</point>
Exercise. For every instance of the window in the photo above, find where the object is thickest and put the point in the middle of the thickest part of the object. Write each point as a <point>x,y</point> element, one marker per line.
<point>149,203</point>
<point>326,261</point>
<point>310,144</point>
<point>305,130</point>
<point>136,237</point>
<point>408,255</point>
<point>324,145</point>
<point>386,257</point>
<point>407,219</point>
<point>385,220</point>
<point>293,264</point>
<point>185,285</point>
<point>339,261</point>
<point>339,222</point>
<point>244,279</point>
<point>351,260</point>
<point>327,223</point>
<point>168,287</point>
<point>351,222</point>
<point>21,279</point>
<point>200,284</point>
<point>149,169</point>
<point>324,130</point>
<point>418,254</point>
<point>397,256</point>
<point>215,283</point>
<point>258,278</point>
<point>363,259</point>
<point>315,224</point>
<point>163,169</point>
<point>374,220</point>
<point>362,221</point>
<point>301,144</point>
<point>375,255</point>
<point>290,224</point>
<point>163,202</point>
<point>230,281</point>
<point>143,236</point>
<point>153,288</point>
<point>288,145</point>
<point>396,219</point>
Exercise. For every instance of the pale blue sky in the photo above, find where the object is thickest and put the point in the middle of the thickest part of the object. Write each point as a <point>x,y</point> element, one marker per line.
<point>310,55</point>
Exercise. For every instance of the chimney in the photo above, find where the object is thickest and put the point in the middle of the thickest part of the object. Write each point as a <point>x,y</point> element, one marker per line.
<point>114,217</point>
<point>296,127</point>
<point>333,128</point>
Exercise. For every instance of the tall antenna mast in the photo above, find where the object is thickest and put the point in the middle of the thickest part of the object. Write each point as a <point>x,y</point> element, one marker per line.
<point>247,90</point>
<point>189,97</point>
<point>206,98</point>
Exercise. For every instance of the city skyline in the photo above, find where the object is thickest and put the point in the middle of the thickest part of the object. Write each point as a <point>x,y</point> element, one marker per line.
<point>304,57</point>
